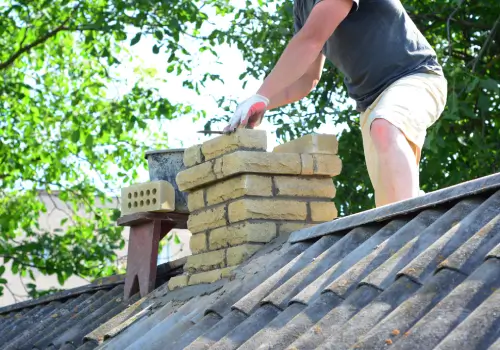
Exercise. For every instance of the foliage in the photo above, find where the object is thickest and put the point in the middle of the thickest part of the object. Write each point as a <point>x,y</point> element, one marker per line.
<point>60,129</point>
<point>464,144</point>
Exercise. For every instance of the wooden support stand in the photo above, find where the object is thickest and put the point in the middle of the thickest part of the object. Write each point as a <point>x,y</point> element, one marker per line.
<point>146,231</point>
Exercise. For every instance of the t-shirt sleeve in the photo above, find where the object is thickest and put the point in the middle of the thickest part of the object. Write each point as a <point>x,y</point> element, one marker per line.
<point>355,4</point>
<point>297,23</point>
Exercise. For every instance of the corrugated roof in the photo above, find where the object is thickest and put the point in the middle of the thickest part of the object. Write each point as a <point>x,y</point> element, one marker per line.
<point>421,276</point>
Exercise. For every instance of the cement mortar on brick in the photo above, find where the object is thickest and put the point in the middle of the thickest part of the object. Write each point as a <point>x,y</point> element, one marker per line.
<point>311,144</point>
<point>206,219</point>
<point>246,232</point>
<point>205,261</point>
<point>238,254</point>
<point>177,282</point>
<point>260,208</point>
<point>239,186</point>
<point>305,186</point>
<point>289,227</point>
<point>241,139</point>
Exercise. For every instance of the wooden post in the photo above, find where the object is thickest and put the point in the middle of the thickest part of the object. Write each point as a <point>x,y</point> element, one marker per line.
<point>146,231</point>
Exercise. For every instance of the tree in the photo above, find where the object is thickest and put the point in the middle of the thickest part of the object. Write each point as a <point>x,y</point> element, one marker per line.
<point>464,144</point>
<point>60,130</point>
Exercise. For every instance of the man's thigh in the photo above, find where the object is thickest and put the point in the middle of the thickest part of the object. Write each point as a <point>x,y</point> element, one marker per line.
<point>412,104</point>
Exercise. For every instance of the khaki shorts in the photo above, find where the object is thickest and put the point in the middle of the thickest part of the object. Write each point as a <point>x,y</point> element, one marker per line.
<point>412,104</point>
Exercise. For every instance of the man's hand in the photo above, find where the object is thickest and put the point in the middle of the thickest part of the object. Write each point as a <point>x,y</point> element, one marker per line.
<point>249,113</point>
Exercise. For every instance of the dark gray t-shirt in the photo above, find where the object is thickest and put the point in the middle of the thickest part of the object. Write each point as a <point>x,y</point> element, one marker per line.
<point>375,45</point>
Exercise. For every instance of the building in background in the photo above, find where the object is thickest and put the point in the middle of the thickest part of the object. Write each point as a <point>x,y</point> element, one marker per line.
<point>49,221</point>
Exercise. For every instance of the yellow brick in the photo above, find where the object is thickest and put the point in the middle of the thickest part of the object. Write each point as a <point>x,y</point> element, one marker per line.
<point>218,168</point>
<point>307,164</point>
<point>198,243</point>
<point>252,185</point>
<point>157,196</point>
<point>205,261</point>
<point>227,272</point>
<point>312,143</point>
<point>205,277</point>
<point>326,164</point>
<point>195,176</point>
<point>195,200</point>
<point>236,255</point>
<point>177,282</point>
<point>323,211</point>
<point>193,156</point>
<point>261,162</point>
<point>289,227</point>
<point>241,139</point>
<point>304,186</point>
<point>206,219</point>
<point>260,232</point>
<point>250,208</point>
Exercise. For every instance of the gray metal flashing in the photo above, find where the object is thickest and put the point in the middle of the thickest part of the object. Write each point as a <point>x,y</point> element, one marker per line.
<point>410,206</point>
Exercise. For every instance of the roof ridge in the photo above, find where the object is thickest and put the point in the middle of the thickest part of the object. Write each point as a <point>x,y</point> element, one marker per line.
<point>431,199</point>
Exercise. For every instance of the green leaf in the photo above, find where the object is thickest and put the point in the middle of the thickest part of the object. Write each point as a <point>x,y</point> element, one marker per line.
<point>156,49</point>
<point>135,39</point>
<point>159,35</point>
<point>177,240</point>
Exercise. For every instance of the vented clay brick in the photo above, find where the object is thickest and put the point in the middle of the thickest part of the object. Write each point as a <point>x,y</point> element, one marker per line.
<point>323,211</point>
<point>260,232</point>
<point>304,186</point>
<point>205,261</point>
<point>195,200</point>
<point>149,196</point>
<point>195,176</point>
<point>206,219</point>
<point>257,208</point>
<point>251,185</point>
<point>193,156</point>
<point>311,144</point>
<point>248,139</point>
<point>236,255</point>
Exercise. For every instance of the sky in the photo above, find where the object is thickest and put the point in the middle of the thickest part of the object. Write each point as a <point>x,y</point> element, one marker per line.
<point>182,131</point>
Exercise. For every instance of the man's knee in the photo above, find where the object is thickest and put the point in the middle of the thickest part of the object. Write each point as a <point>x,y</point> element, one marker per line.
<point>385,135</point>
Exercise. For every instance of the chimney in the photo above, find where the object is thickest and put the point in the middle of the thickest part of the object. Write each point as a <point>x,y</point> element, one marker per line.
<point>240,197</point>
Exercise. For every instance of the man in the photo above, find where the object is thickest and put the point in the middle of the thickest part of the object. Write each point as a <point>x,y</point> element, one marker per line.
<point>390,70</point>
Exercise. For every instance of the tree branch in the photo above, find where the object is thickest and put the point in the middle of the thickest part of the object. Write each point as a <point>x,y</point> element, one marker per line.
<point>24,49</point>
<point>486,44</point>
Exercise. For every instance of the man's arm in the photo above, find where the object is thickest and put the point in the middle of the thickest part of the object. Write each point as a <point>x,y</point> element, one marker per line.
<point>301,87</point>
<point>304,47</point>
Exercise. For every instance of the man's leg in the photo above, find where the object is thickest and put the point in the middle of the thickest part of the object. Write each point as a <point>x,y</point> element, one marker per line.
<point>393,131</point>
<point>397,164</point>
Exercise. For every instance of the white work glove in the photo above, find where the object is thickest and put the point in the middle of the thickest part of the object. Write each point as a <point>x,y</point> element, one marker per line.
<point>249,113</point>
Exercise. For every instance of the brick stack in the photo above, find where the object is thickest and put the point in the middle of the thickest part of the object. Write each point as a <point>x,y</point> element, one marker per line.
<point>241,197</point>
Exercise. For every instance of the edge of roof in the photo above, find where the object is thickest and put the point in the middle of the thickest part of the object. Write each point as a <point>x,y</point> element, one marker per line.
<point>96,285</point>
<point>431,199</point>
